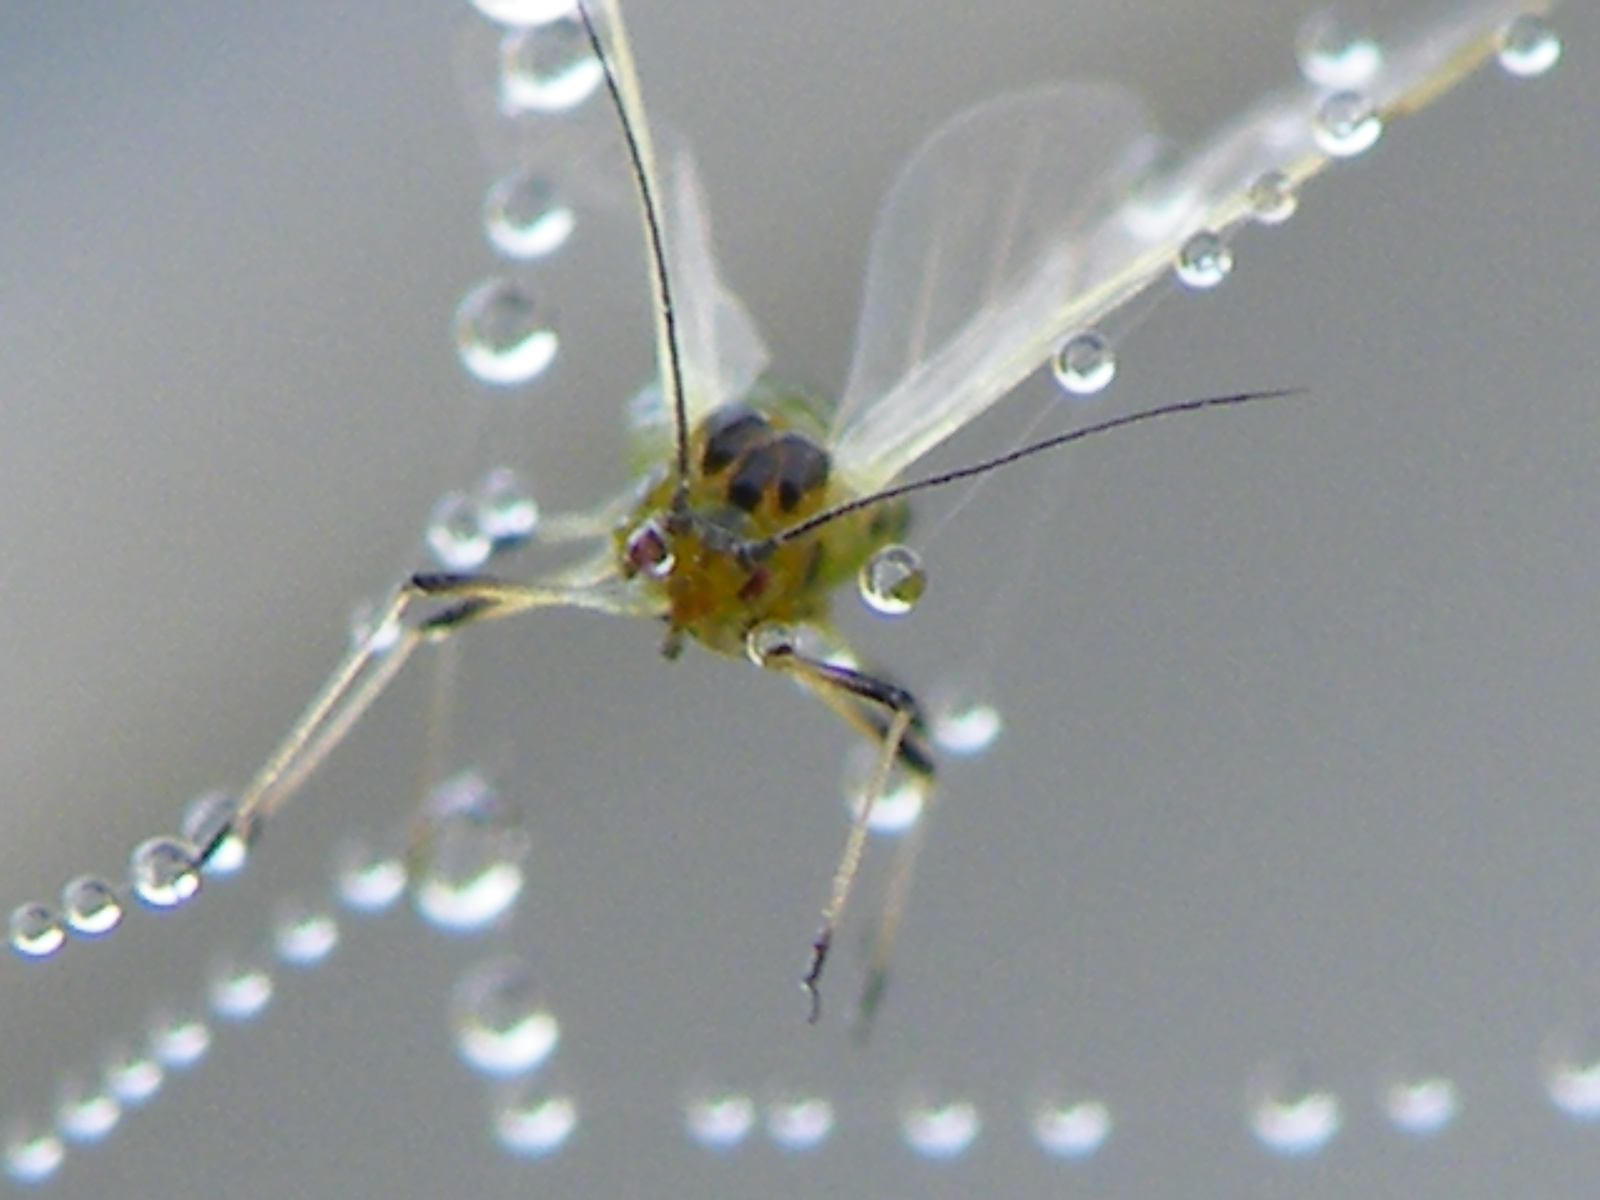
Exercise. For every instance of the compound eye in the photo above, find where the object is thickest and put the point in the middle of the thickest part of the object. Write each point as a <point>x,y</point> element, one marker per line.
<point>648,552</point>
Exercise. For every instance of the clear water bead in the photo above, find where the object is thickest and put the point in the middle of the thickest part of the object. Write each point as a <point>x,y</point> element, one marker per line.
<point>454,537</point>
<point>893,580</point>
<point>1071,1129</point>
<point>719,1121</point>
<point>208,822</point>
<point>178,1040</point>
<point>900,805</point>
<point>36,931</point>
<point>304,936</point>
<point>1335,54</point>
<point>799,1122</point>
<point>502,1026</point>
<point>1421,1106</point>
<point>1204,261</point>
<point>1273,198</point>
<point>240,990</point>
<point>33,1155</point>
<point>769,641</point>
<point>1571,1068</point>
<point>368,880</point>
<point>942,1130</point>
<point>1293,1120</point>
<point>507,512</point>
<point>532,1126</point>
<point>502,334</point>
<point>963,724</point>
<point>1085,365</point>
<point>90,906</point>
<point>86,1112</point>
<point>162,872</point>
<point>525,217</point>
<point>1346,125</point>
<point>132,1077</point>
<point>524,12</point>
<point>370,629</point>
<point>1529,45</point>
<point>548,68</point>
<point>471,869</point>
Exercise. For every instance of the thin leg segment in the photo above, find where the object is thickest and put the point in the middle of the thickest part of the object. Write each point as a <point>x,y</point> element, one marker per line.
<point>889,715</point>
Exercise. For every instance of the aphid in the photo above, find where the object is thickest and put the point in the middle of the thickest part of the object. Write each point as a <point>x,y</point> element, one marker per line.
<point>994,255</point>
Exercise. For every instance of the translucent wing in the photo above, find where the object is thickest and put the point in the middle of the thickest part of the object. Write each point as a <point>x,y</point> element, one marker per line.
<point>721,352</point>
<point>981,238</point>
<point>1035,215</point>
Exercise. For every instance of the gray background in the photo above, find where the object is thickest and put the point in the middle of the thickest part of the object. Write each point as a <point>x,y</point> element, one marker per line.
<point>1299,765</point>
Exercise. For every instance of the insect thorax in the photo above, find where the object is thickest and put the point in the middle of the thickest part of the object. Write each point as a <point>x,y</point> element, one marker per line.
<point>757,467</point>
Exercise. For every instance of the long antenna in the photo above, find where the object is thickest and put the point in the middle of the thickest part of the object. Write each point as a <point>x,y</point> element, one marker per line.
<point>766,546</point>
<point>621,83</point>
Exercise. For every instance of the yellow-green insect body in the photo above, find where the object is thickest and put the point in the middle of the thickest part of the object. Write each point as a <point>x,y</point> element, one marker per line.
<point>758,467</point>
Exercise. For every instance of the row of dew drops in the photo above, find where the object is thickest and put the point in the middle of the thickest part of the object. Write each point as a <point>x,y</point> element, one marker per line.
<point>505,1031</point>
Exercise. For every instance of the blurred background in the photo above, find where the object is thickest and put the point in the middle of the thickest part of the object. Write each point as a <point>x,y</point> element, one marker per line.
<point>1278,876</point>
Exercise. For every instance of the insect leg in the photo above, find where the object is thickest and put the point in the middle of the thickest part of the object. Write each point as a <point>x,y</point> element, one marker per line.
<point>888,714</point>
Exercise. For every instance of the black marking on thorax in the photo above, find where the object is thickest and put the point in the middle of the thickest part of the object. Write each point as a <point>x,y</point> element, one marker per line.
<point>761,459</point>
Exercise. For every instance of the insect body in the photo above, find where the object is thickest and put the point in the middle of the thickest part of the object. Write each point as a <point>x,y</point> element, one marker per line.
<point>1013,232</point>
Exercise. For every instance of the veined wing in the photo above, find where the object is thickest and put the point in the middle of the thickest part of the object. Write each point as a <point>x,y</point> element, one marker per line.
<point>720,352</point>
<point>717,351</point>
<point>1029,218</point>
<point>979,240</point>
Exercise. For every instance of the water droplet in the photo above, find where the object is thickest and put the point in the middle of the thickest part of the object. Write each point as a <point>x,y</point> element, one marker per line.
<point>507,511</point>
<point>1335,54</point>
<point>1572,1073</point>
<point>90,906</point>
<point>36,931</point>
<point>1346,125</point>
<point>365,630</point>
<point>649,551</point>
<point>208,822</point>
<point>533,1126</point>
<point>799,1122</point>
<point>1529,45</point>
<point>86,1112</point>
<point>1292,1118</point>
<point>1071,1128</point>
<point>503,335</point>
<point>502,1026</point>
<point>549,68</point>
<point>719,1121</point>
<point>162,873</point>
<point>526,218</point>
<point>1203,261</point>
<point>524,12</point>
<point>471,864</point>
<point>770,641</point>
<point>132,1077</point>
<point>1421,1105</point>
<point>893,580</point>
<point>1085,365</point>
<point>304,936</point>
<point>961,724</point>
<point>899,807</point>
<point>239,991</point>
<point>1273,198</point>
<point>32,1155</point>
<point>369,880</point>
<point>940,1130</point>
<point>455,538</point>
<point>178,1041</point>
